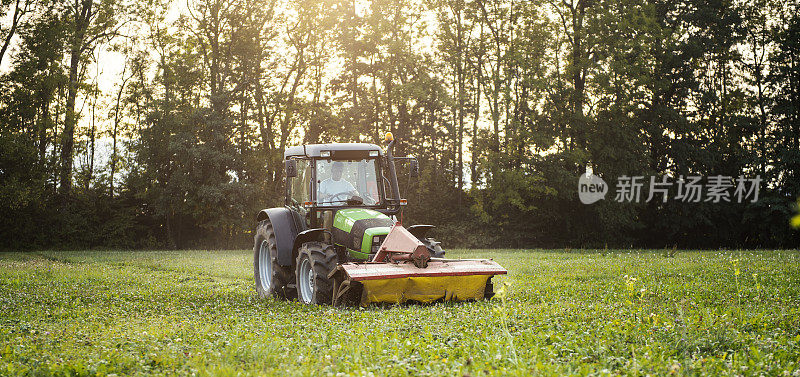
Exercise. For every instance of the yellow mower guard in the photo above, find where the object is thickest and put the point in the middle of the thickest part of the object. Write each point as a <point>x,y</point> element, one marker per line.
<point>441,279</point>
<point>424,289</point>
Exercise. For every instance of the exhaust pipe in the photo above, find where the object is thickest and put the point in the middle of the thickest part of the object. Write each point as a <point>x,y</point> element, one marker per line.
<point>392,173</point>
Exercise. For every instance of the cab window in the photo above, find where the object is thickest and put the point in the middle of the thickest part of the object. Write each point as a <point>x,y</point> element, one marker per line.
<point>340,180</point>
<point>300,185</point>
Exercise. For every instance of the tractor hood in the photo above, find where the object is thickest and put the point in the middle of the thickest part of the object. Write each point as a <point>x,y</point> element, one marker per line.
<point>356,228</point>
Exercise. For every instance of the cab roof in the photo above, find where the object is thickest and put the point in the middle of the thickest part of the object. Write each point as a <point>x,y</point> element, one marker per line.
<point>314,150</point>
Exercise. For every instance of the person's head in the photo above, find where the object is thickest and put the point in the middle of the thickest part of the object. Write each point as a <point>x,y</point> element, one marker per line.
<point>336,170</point>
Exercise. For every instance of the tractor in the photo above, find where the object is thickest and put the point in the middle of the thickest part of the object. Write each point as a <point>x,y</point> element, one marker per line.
<point>337,239</point>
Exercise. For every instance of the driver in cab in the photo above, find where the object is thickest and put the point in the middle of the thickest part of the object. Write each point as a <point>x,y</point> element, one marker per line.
<point>335,190</point>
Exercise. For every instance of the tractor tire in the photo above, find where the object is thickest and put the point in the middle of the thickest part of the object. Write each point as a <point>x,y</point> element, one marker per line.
<point>434,247</point>
<point>271,278</point>
<point>315,261</point>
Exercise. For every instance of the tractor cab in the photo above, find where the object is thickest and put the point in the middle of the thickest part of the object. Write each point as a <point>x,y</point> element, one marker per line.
<point>324,178</point>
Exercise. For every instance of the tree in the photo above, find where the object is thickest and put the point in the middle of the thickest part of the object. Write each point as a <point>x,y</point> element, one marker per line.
<point>89,23</point>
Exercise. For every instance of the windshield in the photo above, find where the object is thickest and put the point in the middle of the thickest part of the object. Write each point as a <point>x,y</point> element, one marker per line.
<point>341,181</point>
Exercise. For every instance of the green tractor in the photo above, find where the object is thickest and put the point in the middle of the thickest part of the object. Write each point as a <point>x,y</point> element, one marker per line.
<point>337,239</point>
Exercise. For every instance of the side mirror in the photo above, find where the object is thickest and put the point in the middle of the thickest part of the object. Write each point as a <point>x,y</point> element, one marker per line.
<point>291,168</point>
<point>414,168</point>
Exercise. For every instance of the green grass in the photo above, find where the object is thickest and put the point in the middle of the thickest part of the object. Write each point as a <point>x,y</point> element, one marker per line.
<point>196,312</point>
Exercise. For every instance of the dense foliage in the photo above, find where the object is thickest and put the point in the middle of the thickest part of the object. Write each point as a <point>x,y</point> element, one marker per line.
<point>505,103</point>
<point>601,313</point>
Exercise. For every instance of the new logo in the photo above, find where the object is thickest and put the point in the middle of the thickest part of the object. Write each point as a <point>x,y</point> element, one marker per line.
<point>591,188</point>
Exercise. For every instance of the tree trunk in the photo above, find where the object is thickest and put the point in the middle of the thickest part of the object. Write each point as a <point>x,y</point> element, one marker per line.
<point>44,123</point>
<point>82,15</point>
<point>479,81</point>
<point>116,128</point>
<point>18,13</point>
<point>578,77</point>
<point>92,133</point>
<point>460,79</point>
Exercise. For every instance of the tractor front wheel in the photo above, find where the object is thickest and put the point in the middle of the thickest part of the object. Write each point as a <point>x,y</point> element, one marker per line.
<point>315,261</point>
<point>272,279</point>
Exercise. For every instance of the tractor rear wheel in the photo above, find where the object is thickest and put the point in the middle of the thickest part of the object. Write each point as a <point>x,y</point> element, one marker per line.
<point>272,279</point>
<point>315,261</point>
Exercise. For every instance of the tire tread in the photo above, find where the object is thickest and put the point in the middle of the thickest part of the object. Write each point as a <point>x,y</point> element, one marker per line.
<point>323,260</point>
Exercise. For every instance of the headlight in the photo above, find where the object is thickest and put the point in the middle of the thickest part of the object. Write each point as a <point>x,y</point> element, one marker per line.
<point>325,154</point>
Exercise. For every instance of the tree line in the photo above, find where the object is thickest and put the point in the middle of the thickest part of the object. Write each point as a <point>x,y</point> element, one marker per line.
<point>504,102</point>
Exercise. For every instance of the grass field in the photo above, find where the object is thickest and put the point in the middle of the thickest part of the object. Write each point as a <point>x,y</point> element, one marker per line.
<point>196,312</point>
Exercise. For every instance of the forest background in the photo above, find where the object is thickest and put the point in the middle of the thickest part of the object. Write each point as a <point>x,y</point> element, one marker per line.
<point>151,124</point>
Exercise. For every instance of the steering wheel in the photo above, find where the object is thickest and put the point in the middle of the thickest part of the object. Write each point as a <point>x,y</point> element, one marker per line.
<point>333,199</point>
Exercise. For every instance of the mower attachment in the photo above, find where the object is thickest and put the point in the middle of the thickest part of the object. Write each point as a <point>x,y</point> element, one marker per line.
<point>403,270</point>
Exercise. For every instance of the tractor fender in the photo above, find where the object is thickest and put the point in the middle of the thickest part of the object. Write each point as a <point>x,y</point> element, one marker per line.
<point>420,231</point>
<point>316,234</point>
<point>286,224</point>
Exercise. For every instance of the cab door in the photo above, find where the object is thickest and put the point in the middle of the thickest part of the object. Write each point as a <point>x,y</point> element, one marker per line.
<point>299,189</point>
